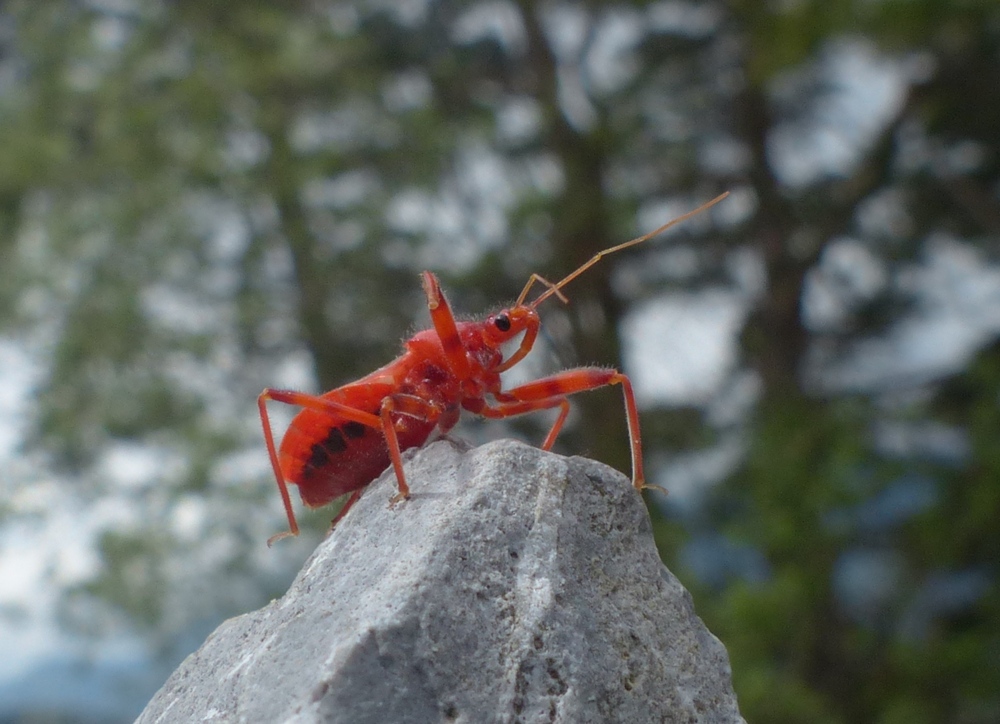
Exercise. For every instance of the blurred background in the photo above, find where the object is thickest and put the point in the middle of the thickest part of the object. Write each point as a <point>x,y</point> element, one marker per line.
<point>201,198</point>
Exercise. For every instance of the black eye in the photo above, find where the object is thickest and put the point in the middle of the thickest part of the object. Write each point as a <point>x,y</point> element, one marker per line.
<point>502,322</point>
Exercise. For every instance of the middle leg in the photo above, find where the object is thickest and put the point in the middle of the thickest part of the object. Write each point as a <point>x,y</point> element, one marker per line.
<point>410,406</point>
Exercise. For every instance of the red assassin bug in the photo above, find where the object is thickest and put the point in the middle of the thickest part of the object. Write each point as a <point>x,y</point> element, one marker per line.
<point>343,439</point>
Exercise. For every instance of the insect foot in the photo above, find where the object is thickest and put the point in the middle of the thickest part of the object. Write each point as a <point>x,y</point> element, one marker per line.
<point>519,586</point>
<point>398,497</point>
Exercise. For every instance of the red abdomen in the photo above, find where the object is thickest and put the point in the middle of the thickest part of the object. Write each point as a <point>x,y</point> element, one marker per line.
<point>328,456</point>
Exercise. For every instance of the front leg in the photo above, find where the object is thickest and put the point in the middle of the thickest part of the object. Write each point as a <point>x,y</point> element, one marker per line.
<point>509,407</point>
<point>552,391</point>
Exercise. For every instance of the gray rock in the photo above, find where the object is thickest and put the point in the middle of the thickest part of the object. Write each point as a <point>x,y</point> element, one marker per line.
<point>514,586</point>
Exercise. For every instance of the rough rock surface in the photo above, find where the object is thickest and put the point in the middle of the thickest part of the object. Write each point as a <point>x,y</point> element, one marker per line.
<point>514,586</point>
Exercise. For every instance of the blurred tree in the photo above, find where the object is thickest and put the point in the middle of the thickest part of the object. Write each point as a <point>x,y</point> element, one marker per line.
<point>199,196</point>
<point>870,594</point>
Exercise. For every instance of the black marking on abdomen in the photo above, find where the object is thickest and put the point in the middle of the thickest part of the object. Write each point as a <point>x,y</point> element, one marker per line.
<point>322,452</point>
<point>354,429</point>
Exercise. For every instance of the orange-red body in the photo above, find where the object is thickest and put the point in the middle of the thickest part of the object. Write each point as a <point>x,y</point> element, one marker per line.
<point>345,438</point>
<point>327,455</point>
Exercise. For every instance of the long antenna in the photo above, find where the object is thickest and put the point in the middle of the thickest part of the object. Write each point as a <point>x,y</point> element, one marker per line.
<point>554,288</point>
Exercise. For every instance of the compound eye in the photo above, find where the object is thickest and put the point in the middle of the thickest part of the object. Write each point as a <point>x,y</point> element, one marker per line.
<point>502,322</point>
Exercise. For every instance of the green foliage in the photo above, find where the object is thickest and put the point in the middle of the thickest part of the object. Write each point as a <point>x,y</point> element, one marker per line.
<point>799,652</point>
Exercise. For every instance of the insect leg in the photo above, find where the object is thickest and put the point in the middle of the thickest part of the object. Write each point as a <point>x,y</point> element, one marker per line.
<point>411,406</point>
<point>527,342</point>
<point>346,507</point>
<point>550,439</point>
<point>302,400</point>
<point>551,391</point>
<point>509,407</point>
<point>447,330</point>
